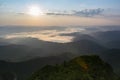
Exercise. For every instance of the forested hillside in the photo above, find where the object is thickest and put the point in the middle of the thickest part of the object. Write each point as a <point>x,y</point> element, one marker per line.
<point>79,68</point>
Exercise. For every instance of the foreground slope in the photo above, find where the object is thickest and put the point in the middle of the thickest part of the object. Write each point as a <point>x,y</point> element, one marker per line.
<point>79,68</point>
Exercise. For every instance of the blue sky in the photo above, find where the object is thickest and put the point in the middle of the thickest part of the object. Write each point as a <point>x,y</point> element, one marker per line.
<point>62,4</point>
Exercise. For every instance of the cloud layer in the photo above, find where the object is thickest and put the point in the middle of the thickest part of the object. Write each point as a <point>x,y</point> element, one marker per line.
<point>84,13</point>
<point>52,34</point>
<point>81,13</point>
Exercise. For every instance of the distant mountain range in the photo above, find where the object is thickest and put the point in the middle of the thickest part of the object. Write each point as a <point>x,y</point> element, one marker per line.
<point>22,56</point>
<point>27,48</point>
<point>24,69</point>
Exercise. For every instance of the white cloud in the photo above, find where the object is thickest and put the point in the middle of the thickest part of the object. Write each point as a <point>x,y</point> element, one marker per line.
<point>47,35</point>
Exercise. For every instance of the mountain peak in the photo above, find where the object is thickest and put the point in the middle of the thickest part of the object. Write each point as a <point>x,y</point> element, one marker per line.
<point>79,68</point>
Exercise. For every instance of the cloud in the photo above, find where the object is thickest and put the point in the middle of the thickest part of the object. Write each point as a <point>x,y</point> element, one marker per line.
<point>59,34</point>
<point>52,34</point>
<point>79,13</point>
<point>89,12</point>
<point>21,13</point>
<point>83,13</point>
<point>42,33</point>
<point>58,14</point>
<point>45,35</point>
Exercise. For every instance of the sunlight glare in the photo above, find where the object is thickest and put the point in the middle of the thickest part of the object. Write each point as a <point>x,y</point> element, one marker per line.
<point>35,11</point>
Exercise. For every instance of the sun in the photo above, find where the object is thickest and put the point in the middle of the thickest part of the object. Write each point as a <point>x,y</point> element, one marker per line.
<point>35,11</point>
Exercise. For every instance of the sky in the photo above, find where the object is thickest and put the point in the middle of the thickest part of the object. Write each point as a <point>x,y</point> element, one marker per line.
<point>56,17</point>
<point>59,12</point>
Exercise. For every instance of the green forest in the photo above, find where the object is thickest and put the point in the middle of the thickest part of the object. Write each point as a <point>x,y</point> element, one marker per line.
<point>80,68</point>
